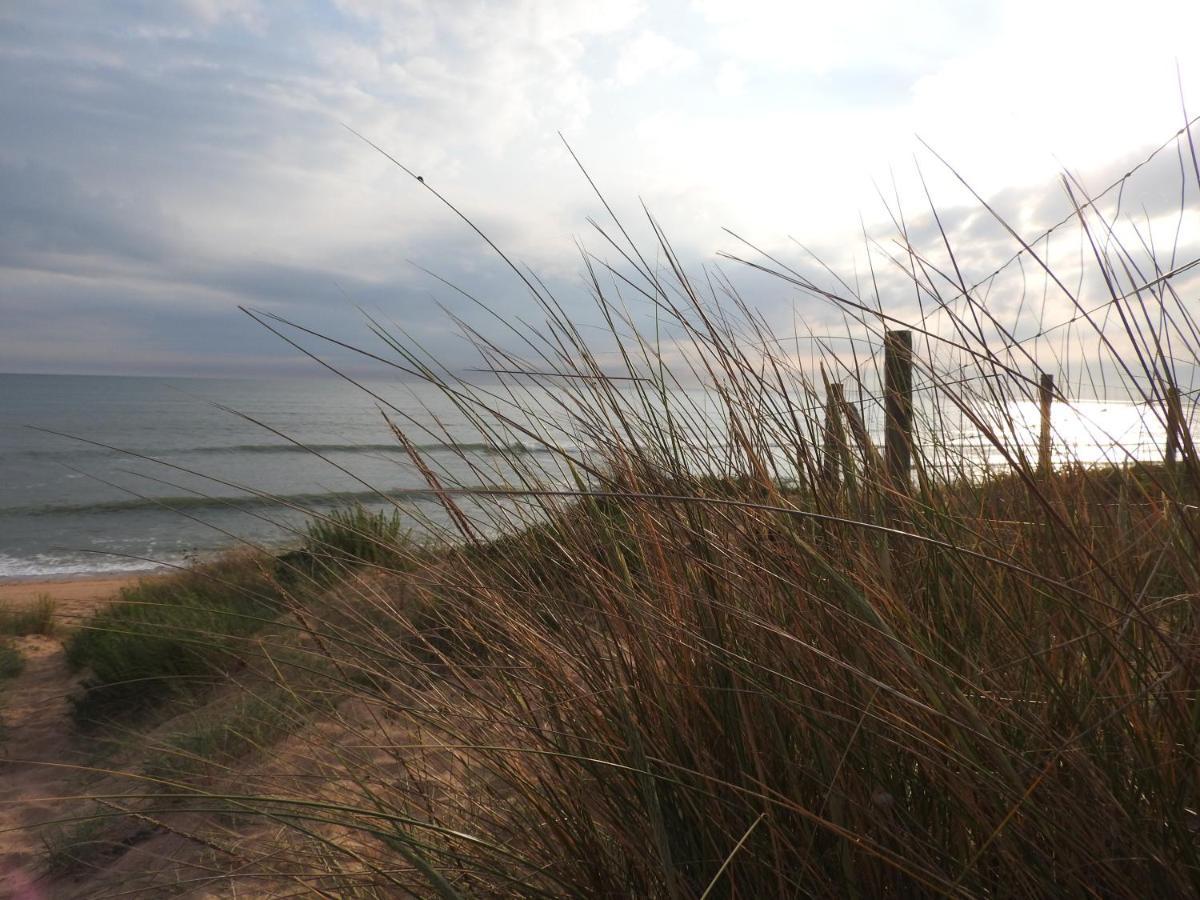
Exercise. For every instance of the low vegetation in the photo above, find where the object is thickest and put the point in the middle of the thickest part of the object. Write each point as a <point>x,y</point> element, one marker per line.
<point>33,618</point>
<point>81,844</point>
<point>356,535</point>
<point>171,636</point>
<point>207,743</point>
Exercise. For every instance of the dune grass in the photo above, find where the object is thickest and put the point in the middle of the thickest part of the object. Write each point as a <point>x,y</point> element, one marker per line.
<point>31,618</point>
<point>702,661</point>
<point>344,538</point>
<point>79,845</point>
<point>214,739</point>
<point>166,636</point>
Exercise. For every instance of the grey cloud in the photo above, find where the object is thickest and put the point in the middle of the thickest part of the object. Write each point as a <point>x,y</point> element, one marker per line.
<point>122,122</point>
<point>46,212</point>
<point>114,114</point>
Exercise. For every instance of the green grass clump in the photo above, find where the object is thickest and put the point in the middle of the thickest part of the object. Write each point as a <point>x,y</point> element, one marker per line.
<point>79,844</point>
<point>354,536</point>
<point>174,634</point>
<point>346,538</point>
<point>33,618</point>
<point>12,663</point>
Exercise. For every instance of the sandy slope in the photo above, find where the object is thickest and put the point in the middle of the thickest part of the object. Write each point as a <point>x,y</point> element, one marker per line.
<point>38,744</point>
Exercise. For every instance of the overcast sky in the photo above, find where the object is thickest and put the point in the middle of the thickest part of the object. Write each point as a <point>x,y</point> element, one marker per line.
<point>162,163</point>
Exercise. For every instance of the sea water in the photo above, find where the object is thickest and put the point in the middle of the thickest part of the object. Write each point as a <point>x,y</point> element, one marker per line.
<point>157,470</point>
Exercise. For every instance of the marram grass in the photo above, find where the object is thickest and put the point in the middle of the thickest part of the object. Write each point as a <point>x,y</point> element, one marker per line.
<point>696,664</point>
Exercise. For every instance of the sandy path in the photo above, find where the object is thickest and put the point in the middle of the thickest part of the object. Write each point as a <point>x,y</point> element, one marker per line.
<point>37,729</point>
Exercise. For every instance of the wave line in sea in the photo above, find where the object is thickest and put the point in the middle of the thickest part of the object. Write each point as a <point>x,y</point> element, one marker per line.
<point>308,500</point>
<point>478,447</point>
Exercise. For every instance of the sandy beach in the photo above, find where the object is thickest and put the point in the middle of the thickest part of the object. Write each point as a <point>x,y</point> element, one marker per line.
<point>73,597</point>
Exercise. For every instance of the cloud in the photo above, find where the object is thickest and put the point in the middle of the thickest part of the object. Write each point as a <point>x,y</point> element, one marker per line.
<point>48,219</point>
<point>163,163</point>
<point>822,37</point>
<point>210,12</point>
<point>731,79</point>
<point>649,54</point>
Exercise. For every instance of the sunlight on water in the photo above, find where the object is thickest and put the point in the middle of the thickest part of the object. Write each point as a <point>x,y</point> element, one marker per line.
<point>1091,432</point>
<point>1083,432</point>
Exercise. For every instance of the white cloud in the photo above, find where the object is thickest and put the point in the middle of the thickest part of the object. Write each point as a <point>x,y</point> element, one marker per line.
<point>817,36</point>
<point>245,12</point>
<point>731,79</point>
<point>1060,84</point>
<point>649,54</point>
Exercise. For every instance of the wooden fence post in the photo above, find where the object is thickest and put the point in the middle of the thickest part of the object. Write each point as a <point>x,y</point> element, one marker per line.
<point>1046,391</point>
<point>1174,425</point>
<point>835,434</point>
<point>897,407</point>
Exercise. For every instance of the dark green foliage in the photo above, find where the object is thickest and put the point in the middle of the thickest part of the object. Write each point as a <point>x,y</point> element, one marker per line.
<point>169,635</point>
<point>349,537</point>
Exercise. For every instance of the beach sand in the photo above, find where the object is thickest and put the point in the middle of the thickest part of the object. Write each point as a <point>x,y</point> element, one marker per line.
<point>74,598</point>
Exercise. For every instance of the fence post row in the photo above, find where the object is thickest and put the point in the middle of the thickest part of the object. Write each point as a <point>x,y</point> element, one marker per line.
<point>1046,391</point>
<point>898,413</point>
<point>897,407</point>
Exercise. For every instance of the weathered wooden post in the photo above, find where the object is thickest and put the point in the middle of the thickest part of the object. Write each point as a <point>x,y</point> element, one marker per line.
<point>835,434</point>
<point>1174,425</point>
<point>1046,391</point>
<point>897,407</point>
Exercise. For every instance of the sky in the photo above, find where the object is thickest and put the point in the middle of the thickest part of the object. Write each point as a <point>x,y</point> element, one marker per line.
<point>164,163</point>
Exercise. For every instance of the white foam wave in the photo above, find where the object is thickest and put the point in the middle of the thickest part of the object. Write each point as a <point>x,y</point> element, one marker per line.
<point>43,565</point>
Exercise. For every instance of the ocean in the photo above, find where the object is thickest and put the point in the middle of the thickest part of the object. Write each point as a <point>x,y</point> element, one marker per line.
<point>71,507</point>
<point>215,478</point>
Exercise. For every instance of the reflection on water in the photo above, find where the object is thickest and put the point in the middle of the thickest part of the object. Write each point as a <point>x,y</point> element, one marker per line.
<point>1091,432</point>
<point>1086,432</point>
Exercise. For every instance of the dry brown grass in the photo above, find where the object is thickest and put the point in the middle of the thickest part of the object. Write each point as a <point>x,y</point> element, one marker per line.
<point>694,666</point>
